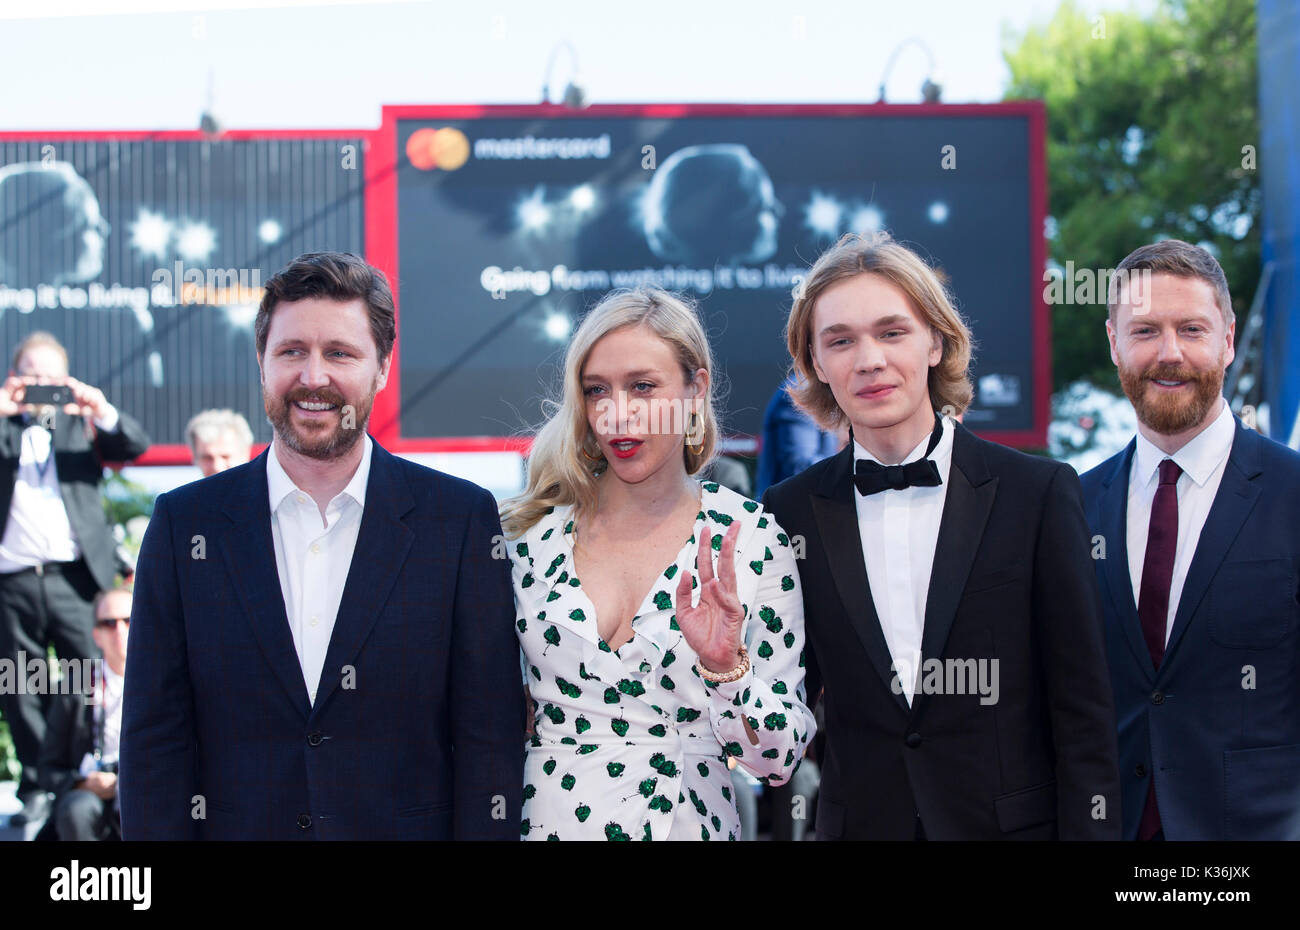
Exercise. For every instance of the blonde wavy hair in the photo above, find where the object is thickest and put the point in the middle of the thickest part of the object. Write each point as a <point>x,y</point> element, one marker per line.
<point>949,381</point>
<point>562,468</point>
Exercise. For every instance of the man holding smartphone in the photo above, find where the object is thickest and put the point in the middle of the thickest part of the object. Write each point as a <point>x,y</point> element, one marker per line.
<point>57,551</point>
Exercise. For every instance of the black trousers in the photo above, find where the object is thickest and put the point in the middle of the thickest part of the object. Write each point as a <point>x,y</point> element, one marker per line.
<point>82,816</point>
<point>38,609</point>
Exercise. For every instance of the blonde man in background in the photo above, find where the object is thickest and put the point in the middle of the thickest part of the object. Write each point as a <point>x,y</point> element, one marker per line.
<point>219,439</point>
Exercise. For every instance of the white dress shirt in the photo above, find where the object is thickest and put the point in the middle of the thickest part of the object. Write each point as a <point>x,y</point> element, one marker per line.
<point>38,529</point>
<point>313,558</point>
<point>899,530</point>
<point>1202,461</point>
<point>112,714</point>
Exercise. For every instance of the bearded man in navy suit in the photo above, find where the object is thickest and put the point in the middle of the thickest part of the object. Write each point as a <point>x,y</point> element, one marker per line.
<point>322,645</point>
<point>1200,520</point>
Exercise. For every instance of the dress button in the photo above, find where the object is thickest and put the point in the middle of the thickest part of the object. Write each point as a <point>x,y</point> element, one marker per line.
<point>304,821</point>
<point>1158,697</point>
<point>314,739</point>
<point>913,740</point>
<point>1140,770</point>
<point>301,499</point>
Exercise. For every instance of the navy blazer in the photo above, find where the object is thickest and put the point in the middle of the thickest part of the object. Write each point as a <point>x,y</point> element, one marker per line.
<point>1219,722</point>
<point>417,732</point>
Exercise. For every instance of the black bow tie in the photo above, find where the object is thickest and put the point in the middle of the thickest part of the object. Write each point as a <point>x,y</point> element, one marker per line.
<point>872,477</point>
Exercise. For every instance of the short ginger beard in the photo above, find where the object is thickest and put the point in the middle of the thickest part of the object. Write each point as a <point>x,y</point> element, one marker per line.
<point>324,445</point>
<point>1171,415</point>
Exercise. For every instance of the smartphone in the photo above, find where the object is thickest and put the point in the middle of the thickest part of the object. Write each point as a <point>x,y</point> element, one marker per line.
<point>39,395</point>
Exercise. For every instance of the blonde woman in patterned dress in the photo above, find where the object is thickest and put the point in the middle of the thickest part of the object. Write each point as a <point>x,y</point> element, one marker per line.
<point>660,617</point>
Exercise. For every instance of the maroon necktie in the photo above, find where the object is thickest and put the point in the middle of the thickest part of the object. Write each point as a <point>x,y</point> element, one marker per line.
<point>1153,598</point>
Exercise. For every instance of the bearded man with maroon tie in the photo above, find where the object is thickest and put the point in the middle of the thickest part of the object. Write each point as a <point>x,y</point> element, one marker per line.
<point>1199,525</point>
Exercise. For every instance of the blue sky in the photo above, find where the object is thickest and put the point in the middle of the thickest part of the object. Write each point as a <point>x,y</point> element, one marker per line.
<point>320,65</point>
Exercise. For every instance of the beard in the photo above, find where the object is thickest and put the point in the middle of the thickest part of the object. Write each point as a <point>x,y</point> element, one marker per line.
<point>327,439</point>
<point>1172,413</point>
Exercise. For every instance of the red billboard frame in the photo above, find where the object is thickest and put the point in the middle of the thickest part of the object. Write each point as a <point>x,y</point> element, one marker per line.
<point>381,230</point>
<point>380,211</point>
<point>179,453</point>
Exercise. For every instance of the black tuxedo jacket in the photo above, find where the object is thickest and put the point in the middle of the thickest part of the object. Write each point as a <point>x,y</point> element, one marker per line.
<point>1012,581</point>
<point>80,466</point>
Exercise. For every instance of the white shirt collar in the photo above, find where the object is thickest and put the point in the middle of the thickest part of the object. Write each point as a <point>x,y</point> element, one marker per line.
<point>940,451</point>
<point>1198,458</point>
<point>281,486</point>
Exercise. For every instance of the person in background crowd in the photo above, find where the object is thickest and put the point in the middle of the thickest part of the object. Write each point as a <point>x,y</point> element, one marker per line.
<point>1200,517</point>
<point>219,439</point>
<point>730,473</point>
<point>80,749</point>
<point>791,440</point>
<point>57,551</point>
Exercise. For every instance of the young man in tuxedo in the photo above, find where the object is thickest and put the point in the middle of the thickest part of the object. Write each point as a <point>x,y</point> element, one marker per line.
<point>1200,516</point>
<point>950,605</point>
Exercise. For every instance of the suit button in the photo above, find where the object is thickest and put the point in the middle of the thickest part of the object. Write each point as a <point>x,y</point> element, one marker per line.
<point>314,739</point>
<point>1158,697</point>
<point>304,821</point>
<point>1140,770</point>
<point>913,740</point>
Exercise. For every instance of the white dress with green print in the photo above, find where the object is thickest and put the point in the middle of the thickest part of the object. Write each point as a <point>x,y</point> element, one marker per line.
<point>632,744</point>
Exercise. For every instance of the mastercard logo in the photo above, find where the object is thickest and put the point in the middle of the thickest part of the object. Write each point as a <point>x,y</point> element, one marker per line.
<point>444,148</point>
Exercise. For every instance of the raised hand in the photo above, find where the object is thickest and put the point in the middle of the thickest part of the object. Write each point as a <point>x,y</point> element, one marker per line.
<point>11,396</point>
<point>87,401</point>
<point>713,626</point>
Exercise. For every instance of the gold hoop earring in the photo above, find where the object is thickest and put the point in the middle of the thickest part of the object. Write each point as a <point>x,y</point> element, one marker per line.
<point>587,455</point>
<point>694,427</point>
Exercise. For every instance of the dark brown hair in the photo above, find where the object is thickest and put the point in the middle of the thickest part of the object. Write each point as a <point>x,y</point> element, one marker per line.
<point>1183,260</point>
<point>337,276</point>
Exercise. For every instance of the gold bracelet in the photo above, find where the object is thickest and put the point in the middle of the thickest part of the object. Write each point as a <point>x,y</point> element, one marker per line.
<point>722,678</point>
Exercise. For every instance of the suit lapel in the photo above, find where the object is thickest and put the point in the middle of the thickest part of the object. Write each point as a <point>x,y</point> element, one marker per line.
<point>1233,503</point>
<point>1116,582</point>
<point>11,432</point>
<point>249,552</point>
<point>966,508</point>
<point>383,542</point>
<point>60,435</point>
<point>836,513</point>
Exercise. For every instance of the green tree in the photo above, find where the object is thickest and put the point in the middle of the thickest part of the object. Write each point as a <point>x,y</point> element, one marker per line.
<point>1147,119</point>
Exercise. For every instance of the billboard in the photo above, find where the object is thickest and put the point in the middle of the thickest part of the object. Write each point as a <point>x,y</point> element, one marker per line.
<point>144,253</point>
<point>499,227</point>
<point>509,223</point>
